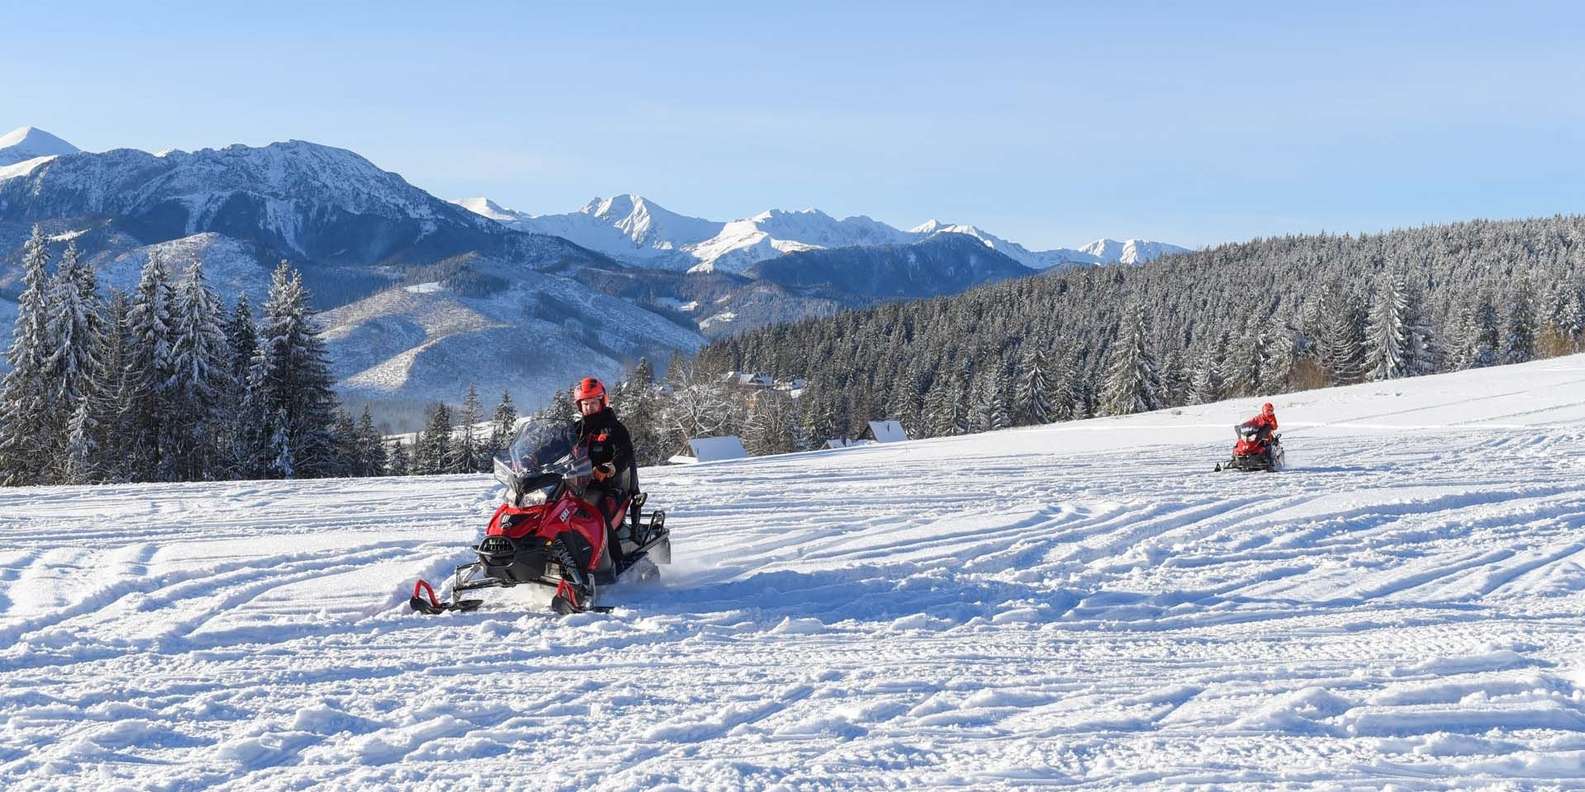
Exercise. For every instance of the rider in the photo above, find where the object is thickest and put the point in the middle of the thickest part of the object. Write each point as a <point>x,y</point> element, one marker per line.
<point>609,445</point>
<point>1264,425</point>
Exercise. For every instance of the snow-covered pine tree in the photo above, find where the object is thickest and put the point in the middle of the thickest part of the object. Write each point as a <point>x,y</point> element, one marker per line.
<point>76,332</point>
<point>290,377</point>
<point>1131,384</point>
<point>400,459</point>
<point>115,391</point>
<point>1034,395</point>
<point>371,446</point>
<point>242,339</point>
<point>1248,370</point>
<point>1519,330</point>
<point>814,421</point>
<point>1067,390</point>
<point>1340,339</point>
<point>24,394</point>
<point>283,462</point>
<point>1558,327</point>
<point>990,411</point>
<point>1426,354</point>
<point>469,454</point>
<point>503,426</point>
<point>1174,380</point>
<point>1209,382</point>
<point>435,452</point>
<point>1485,326</point>
<point>200,377</point>
<point>344,437</point>
<point>80,463</point>
<point>1387,343</point>
<point>150,371</point>
<point>1282,358</point>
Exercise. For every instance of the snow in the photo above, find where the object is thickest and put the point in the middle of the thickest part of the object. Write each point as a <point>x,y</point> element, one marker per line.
<point>716,449</point>
<point>637,231</point>
<point>31,143</point>
<point>1081,605</point>
<point>715,319</point>
<point>423,288</point>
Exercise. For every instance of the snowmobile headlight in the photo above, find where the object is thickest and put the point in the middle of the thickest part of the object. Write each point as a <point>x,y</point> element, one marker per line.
<point>534,497</point>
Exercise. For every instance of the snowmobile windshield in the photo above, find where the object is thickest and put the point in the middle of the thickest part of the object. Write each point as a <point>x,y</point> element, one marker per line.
<point>540,444</point>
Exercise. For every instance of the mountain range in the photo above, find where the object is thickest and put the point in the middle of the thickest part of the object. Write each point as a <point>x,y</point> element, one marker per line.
<point>421,296</point>
<point>636,231</point>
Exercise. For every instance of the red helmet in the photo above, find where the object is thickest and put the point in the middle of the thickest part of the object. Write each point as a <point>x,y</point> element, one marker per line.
<point>589,388</point>
<point>1265,409</point>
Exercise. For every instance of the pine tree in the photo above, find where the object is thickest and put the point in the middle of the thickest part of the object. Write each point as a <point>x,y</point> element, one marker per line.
<point>1034,396</point>
<point>1131,384</point>
<point>80,462</point>
<point>151,368</point>
<point>401,459</point>
<point>1209,383</point>
<point>1174,381</point>
<point>242,339</point>
<point>113,408</point>
<point>990,411</point>
<point>201,375</point>
<point>344,437</point>
<point>435,452</point>
<point>1248,370</point>
<point>283,462</point>
<point>503,427</point>
<point>76,332</point>
<point>289,379</point>
<point>1486,333</point>
<point>370,447</point>
<point>1340,345</point>
<point>469,452</point>
<point>1386,354</point>
<point>1518,344</point>
<point>24,396</point>
<point>1281,362</point>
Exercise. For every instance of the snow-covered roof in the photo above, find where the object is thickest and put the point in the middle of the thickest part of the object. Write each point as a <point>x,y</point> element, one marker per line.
<point>715,449</point>
<point>887,432</point>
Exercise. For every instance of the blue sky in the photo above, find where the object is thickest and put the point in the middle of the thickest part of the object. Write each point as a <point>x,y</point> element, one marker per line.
<point>1048,123</point>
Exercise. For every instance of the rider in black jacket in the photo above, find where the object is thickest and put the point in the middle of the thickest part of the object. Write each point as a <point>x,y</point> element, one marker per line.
<point>610,448</point>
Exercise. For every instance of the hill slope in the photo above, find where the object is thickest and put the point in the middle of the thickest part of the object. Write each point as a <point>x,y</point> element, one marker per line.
<point>1081,604</point>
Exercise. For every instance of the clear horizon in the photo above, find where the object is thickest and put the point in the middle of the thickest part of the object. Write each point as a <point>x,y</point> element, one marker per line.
<point>1046,125</point>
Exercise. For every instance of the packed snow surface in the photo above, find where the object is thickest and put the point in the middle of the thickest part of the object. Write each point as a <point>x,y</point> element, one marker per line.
<point>1082,605</point>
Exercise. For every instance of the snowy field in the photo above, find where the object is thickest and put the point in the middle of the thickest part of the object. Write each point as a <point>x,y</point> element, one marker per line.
<point>1081,606</point>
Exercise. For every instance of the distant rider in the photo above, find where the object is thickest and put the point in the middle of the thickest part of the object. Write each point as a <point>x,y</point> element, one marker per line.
<point>1264,425</point>
<point>610,448</point>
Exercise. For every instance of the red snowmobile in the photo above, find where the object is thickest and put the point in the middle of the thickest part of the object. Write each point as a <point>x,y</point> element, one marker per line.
<point>1255,450</point>
<point>548,533</point>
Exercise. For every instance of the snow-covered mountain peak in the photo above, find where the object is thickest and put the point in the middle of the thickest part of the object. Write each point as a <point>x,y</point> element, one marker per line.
<point>1131,251</point>
<point>485,207</point>
<point>26,143</point>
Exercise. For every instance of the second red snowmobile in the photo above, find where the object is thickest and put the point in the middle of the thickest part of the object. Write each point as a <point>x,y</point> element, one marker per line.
<point>1255,450</point>
<point>548,533</point>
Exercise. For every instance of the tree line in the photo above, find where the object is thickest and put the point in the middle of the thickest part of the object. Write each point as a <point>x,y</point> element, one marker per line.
<point>1256,318</point>
<point>162,383</point>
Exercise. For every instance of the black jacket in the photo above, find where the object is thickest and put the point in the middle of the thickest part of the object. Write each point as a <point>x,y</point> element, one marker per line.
<point>607,440</point>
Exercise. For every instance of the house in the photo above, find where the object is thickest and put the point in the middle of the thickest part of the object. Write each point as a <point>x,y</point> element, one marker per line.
<point>749,379</point>
<point>711,449</point>
<point>885,432</point>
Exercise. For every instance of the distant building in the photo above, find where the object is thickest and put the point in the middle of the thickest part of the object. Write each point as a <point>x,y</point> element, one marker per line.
<point>712,449</point>
<point>885,432</point>
<point>749,379</point>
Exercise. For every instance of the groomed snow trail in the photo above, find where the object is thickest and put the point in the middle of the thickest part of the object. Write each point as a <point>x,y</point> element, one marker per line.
<point>1084,605</point>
